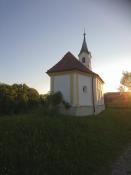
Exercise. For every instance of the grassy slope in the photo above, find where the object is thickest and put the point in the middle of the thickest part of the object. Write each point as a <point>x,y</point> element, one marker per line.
<point>39,145</point>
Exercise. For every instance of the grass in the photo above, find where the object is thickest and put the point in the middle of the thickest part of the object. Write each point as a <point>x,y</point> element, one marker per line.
<point>43,145</point>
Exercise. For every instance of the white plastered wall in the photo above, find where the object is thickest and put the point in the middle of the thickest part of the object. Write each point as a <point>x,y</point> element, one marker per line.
<point>87,59</point>
<point>62,84</point>
<point>75,96</point>
<point>99,92</point>
<point>85,98</point>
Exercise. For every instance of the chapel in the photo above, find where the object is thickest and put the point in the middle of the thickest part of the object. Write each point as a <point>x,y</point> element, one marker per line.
<point>80,86</point>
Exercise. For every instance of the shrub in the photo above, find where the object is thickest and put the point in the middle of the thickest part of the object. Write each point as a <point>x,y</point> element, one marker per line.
<point>66,104</point>
<point>52,102</point>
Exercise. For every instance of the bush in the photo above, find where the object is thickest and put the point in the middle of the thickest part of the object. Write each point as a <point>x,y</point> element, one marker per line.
<point>66,104</point>
<point>52,102</point>
<point>19,98</point>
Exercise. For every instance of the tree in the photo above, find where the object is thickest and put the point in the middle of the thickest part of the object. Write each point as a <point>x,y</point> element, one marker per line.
<point>121,89</point>
<point>126,80</point>
<point>17,98</point>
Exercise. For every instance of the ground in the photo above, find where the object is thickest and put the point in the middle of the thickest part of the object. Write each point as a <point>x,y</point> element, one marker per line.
<point>44,145</point>
<point>122,166</point>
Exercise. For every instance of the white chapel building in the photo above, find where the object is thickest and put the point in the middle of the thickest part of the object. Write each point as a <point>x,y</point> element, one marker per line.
<point>80,86</point>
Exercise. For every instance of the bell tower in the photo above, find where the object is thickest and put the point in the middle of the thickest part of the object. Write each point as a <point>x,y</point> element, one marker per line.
<point>85,55</point>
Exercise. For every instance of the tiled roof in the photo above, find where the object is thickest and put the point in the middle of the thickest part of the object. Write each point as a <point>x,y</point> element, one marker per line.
<point>68,63</point>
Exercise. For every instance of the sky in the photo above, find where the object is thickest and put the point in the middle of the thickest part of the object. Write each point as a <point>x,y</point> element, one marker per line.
<point>36,34</point>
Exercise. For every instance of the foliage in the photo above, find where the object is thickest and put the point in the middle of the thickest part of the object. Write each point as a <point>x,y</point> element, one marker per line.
<point>66,104</point>
<point>126,80</point>
<point>121,89</point>
<point>17,98</point>
<point>33,144</point>
<point>21,98</point>
<point>53,101</point>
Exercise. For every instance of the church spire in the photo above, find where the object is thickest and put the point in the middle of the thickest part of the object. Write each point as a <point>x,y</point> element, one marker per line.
<point>85,55</point>
<point>84,45</point>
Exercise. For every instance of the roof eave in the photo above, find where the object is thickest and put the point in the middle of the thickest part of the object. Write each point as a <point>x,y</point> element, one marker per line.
<point>65,71</point>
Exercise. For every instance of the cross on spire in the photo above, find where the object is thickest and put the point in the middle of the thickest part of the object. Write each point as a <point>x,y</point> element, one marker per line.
<point>84,45</point>
<point>84,33</point>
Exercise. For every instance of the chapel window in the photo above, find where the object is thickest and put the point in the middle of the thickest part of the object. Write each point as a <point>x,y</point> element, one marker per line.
<point>85,89</point>
<point>83,60</point>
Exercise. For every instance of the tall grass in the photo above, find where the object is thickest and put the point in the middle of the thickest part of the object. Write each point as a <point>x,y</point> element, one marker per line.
<point>36,144</point>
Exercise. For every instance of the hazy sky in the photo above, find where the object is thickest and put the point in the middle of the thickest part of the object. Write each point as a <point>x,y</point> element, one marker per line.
<point>35,34</point>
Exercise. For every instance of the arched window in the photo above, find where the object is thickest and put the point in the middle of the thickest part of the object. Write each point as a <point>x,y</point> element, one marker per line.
<point>83,60</point>
<point>85,89</point>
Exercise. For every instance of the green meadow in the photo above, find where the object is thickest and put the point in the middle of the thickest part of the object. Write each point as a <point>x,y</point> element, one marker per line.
<point>36,144</point>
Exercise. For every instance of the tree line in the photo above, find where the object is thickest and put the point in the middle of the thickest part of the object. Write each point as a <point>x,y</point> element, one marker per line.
<point>19,98</point>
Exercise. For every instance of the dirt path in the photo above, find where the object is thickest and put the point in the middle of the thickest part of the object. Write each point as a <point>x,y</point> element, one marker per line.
<point>123,165</point>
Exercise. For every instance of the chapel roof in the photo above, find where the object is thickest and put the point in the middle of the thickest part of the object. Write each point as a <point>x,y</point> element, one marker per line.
<point>69,63</point>
<point>84,47</point>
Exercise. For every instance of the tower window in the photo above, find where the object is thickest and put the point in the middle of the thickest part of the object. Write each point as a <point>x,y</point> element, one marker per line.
<point>85,89</point>
<point>83,60</point>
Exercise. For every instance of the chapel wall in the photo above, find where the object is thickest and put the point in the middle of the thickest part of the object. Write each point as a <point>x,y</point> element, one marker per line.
<point>85,96</point>
<point>62,84</point>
